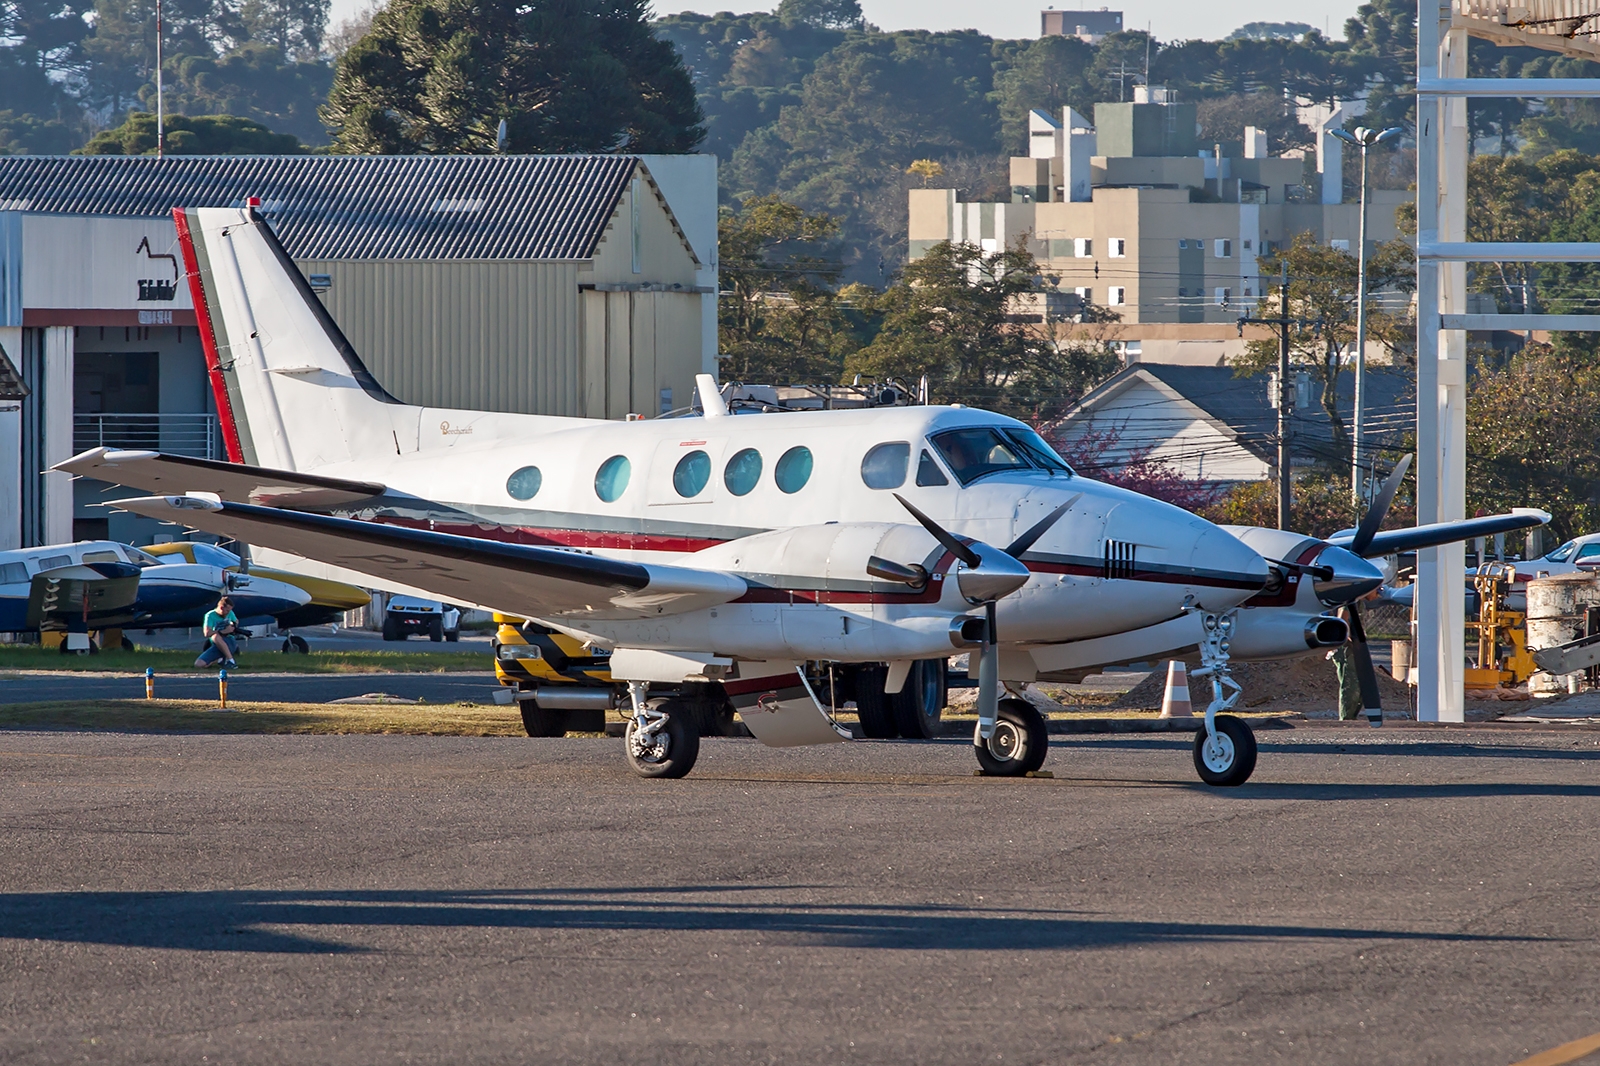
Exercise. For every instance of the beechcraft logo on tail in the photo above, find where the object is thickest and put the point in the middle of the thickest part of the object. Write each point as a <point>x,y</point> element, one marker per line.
<point>157,288</point>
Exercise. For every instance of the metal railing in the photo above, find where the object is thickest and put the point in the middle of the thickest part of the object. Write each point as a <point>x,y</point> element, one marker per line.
<point>196,435</point>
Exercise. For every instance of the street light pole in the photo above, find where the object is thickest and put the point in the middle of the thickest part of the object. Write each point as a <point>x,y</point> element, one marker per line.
<point>1362,138</point>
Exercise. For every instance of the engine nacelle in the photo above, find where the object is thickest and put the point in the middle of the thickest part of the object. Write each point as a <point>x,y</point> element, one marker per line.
<point>1278,633</point>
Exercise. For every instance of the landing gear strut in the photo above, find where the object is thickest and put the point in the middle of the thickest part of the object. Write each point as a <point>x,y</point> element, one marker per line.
<point>1225,750</point>
<point>660,741</point>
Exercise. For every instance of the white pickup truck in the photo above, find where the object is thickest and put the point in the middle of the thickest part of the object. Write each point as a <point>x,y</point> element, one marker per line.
<point>406,615</point>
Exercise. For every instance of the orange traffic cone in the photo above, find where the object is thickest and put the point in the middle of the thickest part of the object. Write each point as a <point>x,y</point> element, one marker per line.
<point>1175,704</point>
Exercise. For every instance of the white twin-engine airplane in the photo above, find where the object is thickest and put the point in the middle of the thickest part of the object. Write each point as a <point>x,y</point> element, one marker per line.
<point>739,552</point>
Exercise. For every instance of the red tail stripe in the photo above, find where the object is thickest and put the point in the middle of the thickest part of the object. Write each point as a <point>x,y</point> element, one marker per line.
<point>208,338</point>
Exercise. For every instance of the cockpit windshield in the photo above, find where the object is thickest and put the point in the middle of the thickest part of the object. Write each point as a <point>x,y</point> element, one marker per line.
<point>212,555</point>
<point>141,558</point>
<point>978,451</point>
<point>1561,554</point>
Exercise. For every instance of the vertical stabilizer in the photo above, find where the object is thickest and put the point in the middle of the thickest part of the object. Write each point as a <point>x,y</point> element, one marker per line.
<point>291,392</point>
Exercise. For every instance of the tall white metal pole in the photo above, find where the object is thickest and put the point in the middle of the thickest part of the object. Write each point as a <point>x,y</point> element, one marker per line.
<point>1359,418</point>
<point>161,109</point>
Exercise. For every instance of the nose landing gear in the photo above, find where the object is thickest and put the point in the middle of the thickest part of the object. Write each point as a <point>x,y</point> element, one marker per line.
<point>1225,750</point>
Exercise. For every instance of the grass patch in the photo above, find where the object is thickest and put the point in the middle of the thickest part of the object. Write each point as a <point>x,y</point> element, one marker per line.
<point>263,660</point>
<point>201,716</point>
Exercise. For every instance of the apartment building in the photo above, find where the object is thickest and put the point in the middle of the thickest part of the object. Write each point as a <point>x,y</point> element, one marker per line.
<point>1132,214</point>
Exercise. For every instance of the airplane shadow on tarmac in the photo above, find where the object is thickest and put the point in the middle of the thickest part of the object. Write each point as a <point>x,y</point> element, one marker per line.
<point>324,922</point>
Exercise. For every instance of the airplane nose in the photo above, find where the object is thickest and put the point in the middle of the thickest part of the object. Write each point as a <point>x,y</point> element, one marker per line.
<point>1230,563</point>
<point>1352,577</point>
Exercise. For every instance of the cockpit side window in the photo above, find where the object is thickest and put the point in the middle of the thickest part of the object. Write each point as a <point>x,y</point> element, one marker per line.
<point>1038,451</point>
<point>928,472</point>
<point>978,451</point>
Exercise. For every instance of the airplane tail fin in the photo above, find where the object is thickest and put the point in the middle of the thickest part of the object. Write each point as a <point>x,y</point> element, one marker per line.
<point>291,392</point>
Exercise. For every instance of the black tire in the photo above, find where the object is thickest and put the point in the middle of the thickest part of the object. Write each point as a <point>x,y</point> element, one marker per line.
<point>393,630</point>
<point>1237,760</point>
<point>679,746</point>
<point>436,629</point>
<point>452,635</point>
<point>127,645</point>
<point>540,722</point>
<point>918,705</point>
<point>299,645</point>
<point>1019,744</point>
<point>872,704</point>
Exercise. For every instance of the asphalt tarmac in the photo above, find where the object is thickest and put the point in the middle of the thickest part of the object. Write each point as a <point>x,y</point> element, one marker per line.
<point>265,688</point>
<point>1404,896</point>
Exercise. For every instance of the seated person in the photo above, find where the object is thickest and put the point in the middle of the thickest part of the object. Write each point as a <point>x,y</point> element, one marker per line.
<point>220,626</point>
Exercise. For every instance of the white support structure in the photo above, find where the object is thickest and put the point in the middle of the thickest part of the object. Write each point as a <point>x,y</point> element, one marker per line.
<point>1568,26</point>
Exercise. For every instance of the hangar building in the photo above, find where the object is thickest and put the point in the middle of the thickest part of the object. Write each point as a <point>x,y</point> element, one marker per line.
<point>565,285</point>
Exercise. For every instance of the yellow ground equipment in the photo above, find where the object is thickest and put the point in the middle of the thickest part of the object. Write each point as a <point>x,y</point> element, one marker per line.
<point>1503,657</point>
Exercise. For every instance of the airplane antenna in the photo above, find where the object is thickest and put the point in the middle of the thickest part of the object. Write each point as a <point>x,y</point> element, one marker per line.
<point>710,398</point>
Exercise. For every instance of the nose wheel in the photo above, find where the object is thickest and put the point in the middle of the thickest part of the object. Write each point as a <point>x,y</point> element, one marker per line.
<point>1019,742</point>
<point>1227,756</point>
<point>662,742</point>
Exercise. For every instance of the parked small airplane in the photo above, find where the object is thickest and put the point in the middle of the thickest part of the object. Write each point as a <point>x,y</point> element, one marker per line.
<point>731,550</point>
<point>326,602</point>
<point>78,588</point>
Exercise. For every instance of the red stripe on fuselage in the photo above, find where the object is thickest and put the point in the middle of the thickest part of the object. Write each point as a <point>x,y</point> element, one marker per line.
<point>208,338</point>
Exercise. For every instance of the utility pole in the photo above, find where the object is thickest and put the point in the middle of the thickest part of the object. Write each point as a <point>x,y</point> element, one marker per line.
<point>1283,321</point>
<point>161,110</point>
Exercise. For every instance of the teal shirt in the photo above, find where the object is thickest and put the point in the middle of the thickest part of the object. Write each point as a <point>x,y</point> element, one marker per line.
<point>215,621</point>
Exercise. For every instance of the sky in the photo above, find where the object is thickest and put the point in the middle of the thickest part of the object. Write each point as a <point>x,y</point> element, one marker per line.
<point>1170,20</point>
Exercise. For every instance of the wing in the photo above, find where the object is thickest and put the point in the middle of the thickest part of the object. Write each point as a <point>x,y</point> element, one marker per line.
<point>1429,536</point>
<point>158,472</point>
<point>516,579</point>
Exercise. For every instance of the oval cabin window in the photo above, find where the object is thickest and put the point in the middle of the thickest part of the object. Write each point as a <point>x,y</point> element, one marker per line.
<point>689,477</point>
<point>793,469</point>
<point>742,472</point>
<point>885,466</point>
<point>524,484</point>
<point>612,478</point>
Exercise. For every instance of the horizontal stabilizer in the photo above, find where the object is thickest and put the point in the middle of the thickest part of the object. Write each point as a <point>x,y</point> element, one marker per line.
<point>80,592</point>
<point>520,579</point>
<point>235,482</point>
<point>1392,541</point>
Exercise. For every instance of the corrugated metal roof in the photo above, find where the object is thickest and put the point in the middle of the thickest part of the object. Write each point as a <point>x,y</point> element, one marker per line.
<point>351,207</point>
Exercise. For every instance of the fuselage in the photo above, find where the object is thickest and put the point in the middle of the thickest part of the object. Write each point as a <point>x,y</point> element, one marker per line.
<point>669,490</point>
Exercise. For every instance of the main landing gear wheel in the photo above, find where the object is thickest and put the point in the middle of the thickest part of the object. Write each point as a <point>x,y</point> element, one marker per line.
<point>1019,744</point>
<point>873,708</point>
<point>919,704</point>
<point>669,751</point>
<point>1229,758</point>
<point>295,645</point>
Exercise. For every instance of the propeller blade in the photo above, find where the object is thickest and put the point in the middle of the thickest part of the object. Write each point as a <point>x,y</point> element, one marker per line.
<point>889,570</point>
<point>1380,508</point>
<point>1366,676</point>
<point>989,676</point>
<point>942,535</point>
<point>1024,542</point>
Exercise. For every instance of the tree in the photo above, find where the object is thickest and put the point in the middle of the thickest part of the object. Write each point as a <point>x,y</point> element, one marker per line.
<point>1223,119</point>
<point>779,320</point>
<point>1531,432</point>
<point>438,76</point>
<point>959,315</point>
<point>1099,454</point>
<point>825,14</point>
<point>192,135</point>
<point>1322,297</point>
<point>1046,75</point>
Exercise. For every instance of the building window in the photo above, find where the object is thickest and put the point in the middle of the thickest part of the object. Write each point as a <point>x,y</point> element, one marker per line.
<point>1182,293</point>
<point>1182,243</point>
<point>1117,295</point>
<point>1224,298</point>
<point>1223,249</point>
<point>1117,248</point>
<point>1082,247</point>
<point>1339,246</point>
<point>1246,244</point>
<point>1085,294</point>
